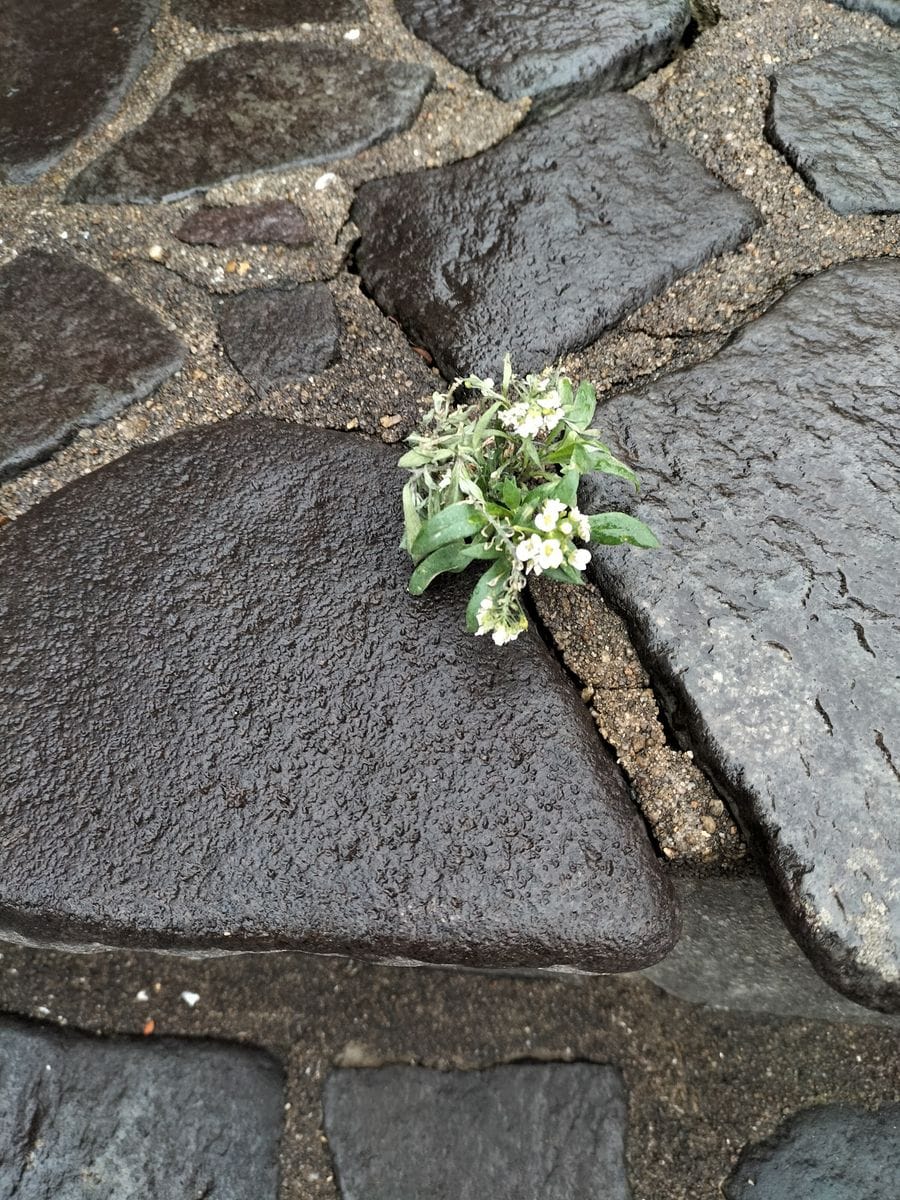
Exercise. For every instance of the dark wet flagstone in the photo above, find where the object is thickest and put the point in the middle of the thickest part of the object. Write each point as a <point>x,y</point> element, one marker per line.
<point>277,337</point>
<point>74,350</point>
<point>238,15</point>
<point>831,1153</point>
<point>769,616</point>
<point>117,1118</point>
<point>228,724</point>
<point>539,244</point>
<point>836,119</point>
<point>551,1131</point>
<point>252,108</point>
<point>272,221</point>
<point>888,10</point>
<point>549,49</point>
<point>66,66</point>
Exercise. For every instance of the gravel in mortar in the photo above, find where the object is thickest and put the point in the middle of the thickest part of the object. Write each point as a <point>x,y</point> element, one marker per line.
<point>700,1084</point>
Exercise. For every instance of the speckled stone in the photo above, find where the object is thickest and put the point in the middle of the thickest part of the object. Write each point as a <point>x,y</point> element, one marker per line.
<point>539,244</point>
<point>74,350</point>
<point>124,1118</point>
<point>229,725</point>
<point>66,66</point>
<point>831,1153</point>
<point>251,108</point>
<point>273,221</point>
<point>234,16</point>
<point>549,1131</point>
<point>551,49</point>
<point>888,10</point>
<point>769,616</point>
<point>275,337</point>
<point>836,119</point>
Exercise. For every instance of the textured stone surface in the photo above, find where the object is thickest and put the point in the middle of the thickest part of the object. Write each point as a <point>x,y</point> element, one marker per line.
<point>229,725</point>
<point>237,15</point>
<point>273,221</point>
<point>548,48</point>
<point>66,66</point>
<point>120,1118</point>
<point>530,1132</point>
<point>537,245</point>
<point>888,10</point>
<point>253,108</point>
<point>836,119</point>
<point>735,954</point>
<point>768,618</point>
<point>828,1153</point>
<point>274,337</point>
<point>74,350</point>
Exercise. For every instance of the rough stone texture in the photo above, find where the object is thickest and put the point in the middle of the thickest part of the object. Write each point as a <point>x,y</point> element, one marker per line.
<point>888,10</point>
<point>529,1132</point>
<point>550,49</point>
<point>836,119</point>
<point>74,350</point>
<point>273,221</point>
<point>279,336</point>
<point>230,726</point>
<point>252,108</point>
<point>66,66</point>
<point>237,15</point>
<point>122,1119</point>
<point>768,618</point>
<point>539,244</point>
<point>735,954</point>
<point>828,1153</point>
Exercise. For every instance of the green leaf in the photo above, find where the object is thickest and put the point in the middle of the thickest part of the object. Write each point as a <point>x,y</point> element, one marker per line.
<point>483,424</point>
<point>614,528</point>
<point>452,558</point>
<point>566,491</point>
<point>451,524</point>
<point>491,583</point>
<point>583,407</point>
<point>564,574</point>
<point>511,494</point>
<point>564,388</point>
<point>412,522</point>
<point>412,459</point>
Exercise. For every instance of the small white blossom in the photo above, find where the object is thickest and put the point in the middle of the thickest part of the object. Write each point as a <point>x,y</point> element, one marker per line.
<point>579,559</point>
<point>529,548</point>
<point>581,523</point>
<point>550,555</point>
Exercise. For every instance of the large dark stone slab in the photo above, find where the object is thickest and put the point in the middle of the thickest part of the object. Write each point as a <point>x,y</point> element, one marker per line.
<point>538,245</point>
<point>549,49</point>
<point>74,350</point>
<point>254,108</point>
<point>275,336</point>
<point>888,10</point>
<point>276,221</point>
<point>829,1153</point>
<point>118,1119</point>
<point>525,1132</point>
<point>237,15</point>
<point>227,724</point>
<point>66,66</point>
<point>769,616</point>
<point>835,119</point>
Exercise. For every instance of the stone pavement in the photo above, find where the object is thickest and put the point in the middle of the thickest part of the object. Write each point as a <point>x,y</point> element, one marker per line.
<point>226,725</point>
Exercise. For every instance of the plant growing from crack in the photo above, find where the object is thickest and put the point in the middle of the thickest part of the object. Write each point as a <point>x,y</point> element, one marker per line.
<point>494,478</point>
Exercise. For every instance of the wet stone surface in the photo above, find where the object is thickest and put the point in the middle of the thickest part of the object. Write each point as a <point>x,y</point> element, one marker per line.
<point>238,15</point>
<point>549,49</point>
<point>888,10</point>
<point>279,336</point>
<point>121,1118</point>
<point>768,618</point>
<point>74,350</point>
<point>291,750</point>
<point>252,108</point>
<point>836,119</point>
<point>523,1132</point>
<point>539,244</point>
<point>273,221</point>
<point>833,1152</point>
<point>66,66</point>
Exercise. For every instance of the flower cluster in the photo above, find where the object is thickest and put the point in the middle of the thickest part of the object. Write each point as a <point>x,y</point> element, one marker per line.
<point>496,482</point>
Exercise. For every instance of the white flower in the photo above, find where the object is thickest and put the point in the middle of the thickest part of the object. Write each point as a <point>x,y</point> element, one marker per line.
<point>567,528</point>
<point>555,508</point>
<point>581,523</point>
<point>550,555</point>
<point>545,522</point>
<point>528,548</point>
<point>579,559</point>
